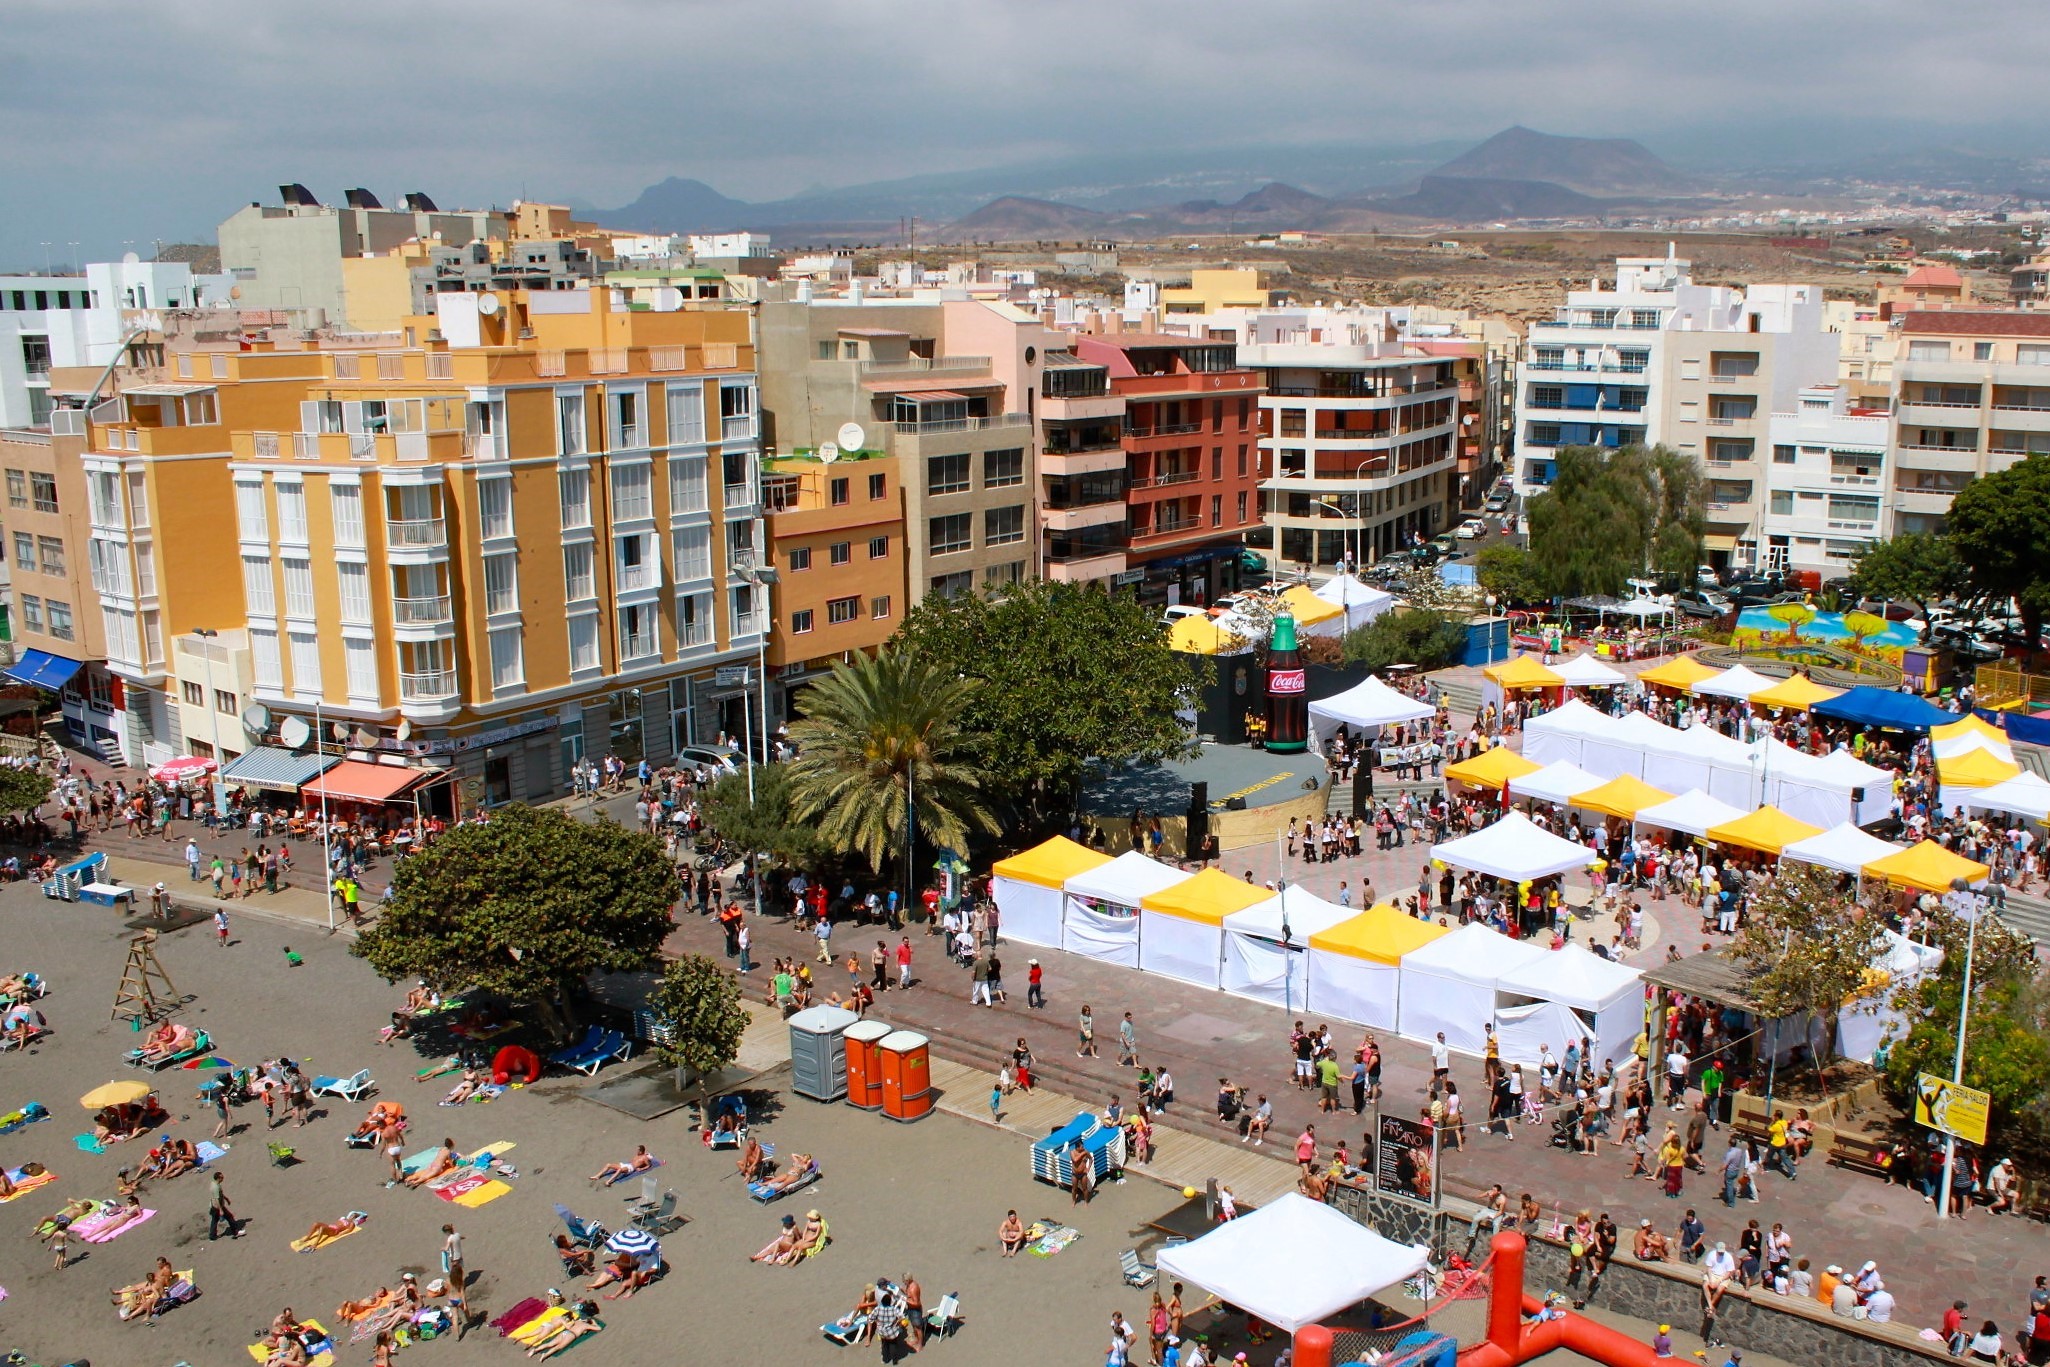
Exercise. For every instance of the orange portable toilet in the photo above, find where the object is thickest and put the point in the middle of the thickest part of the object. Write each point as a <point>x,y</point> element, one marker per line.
<point>864,1067</point>
<point>907,1081</point>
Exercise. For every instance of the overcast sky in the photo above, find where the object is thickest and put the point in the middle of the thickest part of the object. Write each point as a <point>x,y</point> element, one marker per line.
<point>123,121</point>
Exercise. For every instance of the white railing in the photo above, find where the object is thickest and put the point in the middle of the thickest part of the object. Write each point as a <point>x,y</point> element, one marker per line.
<point>548,363</point>
<point>668,358</point>
<point>608,361</point>
<point>266,445</point>
<point>747,624</point>
<point>721,355</point>
<point>430,685</point>
<point>693,634</point>
<point>421,612</point>
<point>362,446</point>
<point>641,647</point>
<point>740,496</point>
<point>440,366</point>
<point>633,577</point>
<point>416,532</point>
<point>305,446</point>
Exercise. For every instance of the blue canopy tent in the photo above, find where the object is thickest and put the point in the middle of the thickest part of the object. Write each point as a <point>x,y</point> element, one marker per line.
<point>1884,708</point>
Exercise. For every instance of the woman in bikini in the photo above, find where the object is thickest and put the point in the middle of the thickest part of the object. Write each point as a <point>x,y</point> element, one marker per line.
<point>324,1232</point>
<point>442,1163</point>
<point>583,1321</point>
<point>784,1249</point>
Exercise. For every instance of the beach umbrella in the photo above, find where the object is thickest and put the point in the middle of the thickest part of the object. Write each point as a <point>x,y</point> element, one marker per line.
<point>183,767</point>
<point>114,1094</point>
<point>638,1242</point>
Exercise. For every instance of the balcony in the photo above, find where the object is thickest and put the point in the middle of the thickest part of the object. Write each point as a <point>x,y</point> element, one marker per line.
<point>1082,516</point>
<point>740,496</point>
<point>1166,429</point>
<point>635,578</point>
<point>748,623</point>
<point>634,649</point>
<point>924,366</point>
<point>1083,569</point>
<point>433,685</point>
<point>690,635</point>
<point>422,612</point>
<point>1168,477</point>
<point>418,533</point>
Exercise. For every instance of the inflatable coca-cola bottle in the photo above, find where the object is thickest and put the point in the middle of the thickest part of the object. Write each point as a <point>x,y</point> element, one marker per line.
<point>1288,708</point>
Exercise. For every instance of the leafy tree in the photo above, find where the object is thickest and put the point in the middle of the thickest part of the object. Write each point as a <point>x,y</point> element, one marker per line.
<point>1610,515</point>
<point>1066,673</point>
<point>1807,947</point>
<point>21,789</point>
<point>700,1004</point>
<point>1914,567</point>
<point>1998,526</point>
<point>1863,626</point>
<point>879,738</point>
<point>1676,544</point>
<point>526,905</point>
<point>1510,574</point>
<point>1421,637</point>
<point>1793,616</point>
<point>769,822</point>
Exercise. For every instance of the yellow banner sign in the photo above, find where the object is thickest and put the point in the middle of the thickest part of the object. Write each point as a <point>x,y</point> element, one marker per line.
<point>1951,1107</point>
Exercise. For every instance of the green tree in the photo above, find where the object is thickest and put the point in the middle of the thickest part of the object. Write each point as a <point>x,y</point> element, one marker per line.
<point>1421,637</point>
<point>526,905</point>
<point>1066,673</point>
<point>1999,525</point>
<point>21,789</point>
<point>767,823</point>
<point>880,738</point>
<point>1807,947</point>
<point>1510,574</point>
<point>1608,516</point>
<point>699,1004</point>
<point>1915,567</point>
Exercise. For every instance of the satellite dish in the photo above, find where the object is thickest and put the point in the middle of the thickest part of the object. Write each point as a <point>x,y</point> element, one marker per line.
<point>365,737</point>
<point>852,438</point>
<point>256,718</point>
<point>294,732</point>
<point>405,731</point>
<point>829,452</point>
<point>339,731</point>
<point>668,299</point>
<point>487,304</point>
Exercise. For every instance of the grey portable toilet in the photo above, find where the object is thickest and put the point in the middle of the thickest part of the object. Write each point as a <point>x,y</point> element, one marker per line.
<point>818,1062</point>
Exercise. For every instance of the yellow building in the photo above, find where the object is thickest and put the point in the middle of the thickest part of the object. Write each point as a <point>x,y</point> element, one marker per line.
<point>496,541</point>
<point>1211,290</point>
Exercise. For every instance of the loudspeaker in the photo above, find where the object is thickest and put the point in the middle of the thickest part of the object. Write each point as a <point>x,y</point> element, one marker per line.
<point>1234,804</point>
<point>1362,794</point>
<point>1199,818</point>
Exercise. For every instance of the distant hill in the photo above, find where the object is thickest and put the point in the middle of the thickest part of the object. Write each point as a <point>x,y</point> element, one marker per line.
<point>1015,218</point>
<point>677,205</point>
<point>1593,166</point>
<point>1474,200</point>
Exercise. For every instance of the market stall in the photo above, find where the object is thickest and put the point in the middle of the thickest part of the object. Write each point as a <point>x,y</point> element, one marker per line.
<point>1362,602</point>
<point>1607,998</point>
<point>1700,756</point>
<point>1356,966</point>
<point>1623,797</point>
<point>1885,709</point>
<point>1181,928</point>
<point>2024,795</point>
<point>1767,830</point>
<point>1490,768</point>
<point>1449,985</point>
<point>1364,709</point>
<point>1869,1018</point>
<point>1199,635</point>
<point>1314,616</point>
<point>1692,813</point>
<point>1029,888</point>
<point>1560,733</point>
<point>1517,674</point>
<point>1847,848</point>
<point>1266,946</point>
<point>1584,671</point>
<point>1968,771</point>
<point>1557,783</point>
<point>1677,675</point>
<point>1796,693</point>
<point>1622,745</point>
<point>1824,789</point>
<point>1970,724</point>
<point>1927,867</point>
<point>1738,681</point>
<point>1101,917</point>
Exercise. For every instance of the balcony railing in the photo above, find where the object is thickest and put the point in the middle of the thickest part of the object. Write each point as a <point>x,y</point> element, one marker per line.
<point>641,647</point>
<point>1170,477</point>
<point>1169,429</point>
<point>690,634</point>
<point>748,623</point>
<point>266,445</point>
<point>421,612</point>
<point>635,577</point>
<point>962,424</point>
<point>740,496</point>
<point>432,685</point>
<point>417,532</point>
<point>1971,450</point>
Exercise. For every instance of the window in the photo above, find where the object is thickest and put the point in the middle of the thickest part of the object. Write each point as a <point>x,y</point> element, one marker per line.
<point>251,521</point>
<point>354,584</point>
<point>501,583</point>
<point>226,703</point>
<point>693,553</point>
<point>841,552</point>
<point>637,633</point>
<point>17,489</point>
<point>946,535</point>
<point>292,513</point>
<point>298,586</point>
<point>258,589</point>
<point>837,491</point>
<point>576,573</point>
<point>494,507</point>
<point>2025,353</point>
<point>60,619</point>
<point>636,565</point>
<point>305,662</point>
<point>576,498</point>
<point>840,610</point>
<point>800,622</point>
<point>878,487</point>
<point>1782,504</point>
<point>24,551</point>
<point>43,489</point>
<point>583,643</point>
<point>740,543</point>
<point>736,411</point>
<point>800,559</point>
<point>687,485</point>
<point>1010,572</point>
<point>1003,526</point>
<point>31,612</point>
<point>693,619</point>
<point>569,424</point>
<point>686,414</point>
<point>195,696</point>
<point>1782,455</point>
<point>1002,469</point>
<point>879,548</point>
<point>507,669</point>
<point>953,585</point>
<point>359,659</point>
<point>347,502</point>
<point>946,474</point>
<point>1547,396</point>
<point>879,607</point>
<point>626,419</point>
<point>268,669</point>
<point>1928,351</point>
<point>1982,351</point>
<point>1242,505</point>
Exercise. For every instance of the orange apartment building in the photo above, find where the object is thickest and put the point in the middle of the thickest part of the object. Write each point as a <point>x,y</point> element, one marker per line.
<point>836,539</point>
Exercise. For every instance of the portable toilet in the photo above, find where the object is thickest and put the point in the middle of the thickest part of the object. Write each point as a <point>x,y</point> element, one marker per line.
<point>818,1060</point>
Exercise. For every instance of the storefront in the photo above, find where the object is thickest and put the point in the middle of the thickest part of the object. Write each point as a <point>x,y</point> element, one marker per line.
<point>276,771</point>
<point>354,790</point>
<point>1197,578</point>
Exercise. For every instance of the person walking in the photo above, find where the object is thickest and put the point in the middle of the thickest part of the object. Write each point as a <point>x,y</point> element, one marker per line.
<point>221,927</point>
<point>223,1121</point>
<point>452,1268</point>
<point>1128,1042</point>
<point>192,860</point>
<point>218,1212</point>
<point>743,940</point>
<point>1035,994</point>
<point>904,963</point>
<point>824,931</point>
<point>1085,1034</point>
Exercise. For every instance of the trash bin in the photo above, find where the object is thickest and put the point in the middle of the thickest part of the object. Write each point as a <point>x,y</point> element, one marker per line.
<point>818,1061</point>
<point>907,1084</point>
<point>864,1068</point>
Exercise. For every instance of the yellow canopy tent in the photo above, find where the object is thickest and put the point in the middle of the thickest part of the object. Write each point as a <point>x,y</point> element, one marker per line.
<point>1768,829</point>
<point>1491,768</point>
<point>1208,897</point>
<point>1522,672</point>
<point>1799,692</point>
<point>1181,928</point>
<point>1380,933</point>
<point>1681,672</point>
<point>1975,769</point>
<point>1623,796</point>
<point>1307,608</point>
<point>1354,967</point>
<point>1028,892</point>
<point>1927,866</point>
<point>1050,865</point>
<point>1202,636</point>
<point>1969,725</point>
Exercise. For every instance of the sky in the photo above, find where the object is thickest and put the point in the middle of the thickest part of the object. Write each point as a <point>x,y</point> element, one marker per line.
<point>123,122</point>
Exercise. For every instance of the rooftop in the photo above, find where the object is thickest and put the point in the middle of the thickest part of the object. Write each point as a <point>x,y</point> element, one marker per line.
<point>1977,322</point>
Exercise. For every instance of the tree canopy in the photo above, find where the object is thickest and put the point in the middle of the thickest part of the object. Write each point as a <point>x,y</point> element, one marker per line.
<point>1914,567</point>
<point>1807,946</point>
<point>1999,525</point>
<point>699,1004</point>
<point>1611,515</point>
<point>768,823</point>
<point>1510,573</point>
<point>526,905</point>
<point>1065,673</point>
<point>21,789</point>
<point>1423,637</point>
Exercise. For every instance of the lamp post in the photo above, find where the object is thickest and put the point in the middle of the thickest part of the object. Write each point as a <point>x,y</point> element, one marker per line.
<point>1962,901</point>
<point>1492,600</point>
<point>762,577</point>
<point>1359,506</point>
<point>1328,506</point>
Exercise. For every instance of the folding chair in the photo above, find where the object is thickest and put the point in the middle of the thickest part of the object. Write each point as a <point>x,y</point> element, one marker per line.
<point>657,1217</point>
<point>943,1319</point>
<point>1136,1272</point>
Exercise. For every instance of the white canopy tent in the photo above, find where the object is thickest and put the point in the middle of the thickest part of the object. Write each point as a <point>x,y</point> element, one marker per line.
<point>1102,916</point>
<point>2023,795</point>
<point>1609,996</point>
<point>1449,985</point>
<point>1362,602</point>
<point>1738,681</point>
<point>1866,1021</point>
<point>1702,757</point>
<point>1515,848</point>
<point>1622,745</point>
<point>1692,812</point>
<point>1293,1262</point>
<point>1584,671</point>
<point>1260,963</point>
<point>1824,789</point>
<point>1557,783</point>
<point>1846,848</point>
<point>1559,733</point>
<point>1950,747</point>
<point>1641,608</point>
<point>1367,706</point>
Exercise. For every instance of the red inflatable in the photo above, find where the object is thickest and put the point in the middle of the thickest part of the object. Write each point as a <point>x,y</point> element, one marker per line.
<point>514,1059</point>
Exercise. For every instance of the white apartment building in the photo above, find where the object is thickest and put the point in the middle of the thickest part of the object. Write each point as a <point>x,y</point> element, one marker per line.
<point>57,321</point>
<point>1659,360</point>
<point>1825,486</point>
<point>1971,396</point>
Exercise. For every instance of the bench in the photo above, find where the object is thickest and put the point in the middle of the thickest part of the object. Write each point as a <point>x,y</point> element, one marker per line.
<point>1863,1153</point>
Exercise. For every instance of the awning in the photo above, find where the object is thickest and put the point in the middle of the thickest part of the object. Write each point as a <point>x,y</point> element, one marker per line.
<point>1799,692</point>
<point>354,781</point>
<point>1768,829</point>
<point>932,395</point>
<point>41,669</point>
<point>1927,866</point>
<point>1714,542</point>
<point>277,770</point>
<point>1491,768</point>
<point>1682,672</point>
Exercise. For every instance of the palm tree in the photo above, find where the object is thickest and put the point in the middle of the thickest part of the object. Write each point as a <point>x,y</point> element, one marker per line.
<point>880,740</point>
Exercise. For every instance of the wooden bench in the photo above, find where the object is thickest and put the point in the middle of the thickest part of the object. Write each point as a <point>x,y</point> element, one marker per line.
<point>1863,1153</point>
<point>1749,1118</point>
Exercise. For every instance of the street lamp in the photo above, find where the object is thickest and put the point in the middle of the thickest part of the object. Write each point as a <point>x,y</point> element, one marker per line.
<point>1492,600</point>
<point>1339,510</point>
<point>1962,901</point>
<point>762,577</point>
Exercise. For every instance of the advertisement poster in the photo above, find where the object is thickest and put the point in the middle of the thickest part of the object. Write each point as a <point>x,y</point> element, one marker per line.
<point>1404,1160</point>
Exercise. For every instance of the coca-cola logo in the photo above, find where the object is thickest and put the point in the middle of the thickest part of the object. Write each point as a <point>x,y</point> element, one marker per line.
<point>1285,681</point>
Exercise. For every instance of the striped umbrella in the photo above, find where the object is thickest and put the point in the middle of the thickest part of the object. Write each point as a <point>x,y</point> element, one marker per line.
<point>638,1242</point>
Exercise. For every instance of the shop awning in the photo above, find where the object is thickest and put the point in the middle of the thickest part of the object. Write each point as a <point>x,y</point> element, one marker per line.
<point>41,669</point>
<point>278,770</point>
<point>354,781</point>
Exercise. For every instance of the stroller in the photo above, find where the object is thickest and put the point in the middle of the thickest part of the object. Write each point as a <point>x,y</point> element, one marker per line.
<point>1566,1130</point>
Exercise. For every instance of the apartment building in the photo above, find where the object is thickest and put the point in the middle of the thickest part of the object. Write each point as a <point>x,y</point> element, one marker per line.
<point>290,255</point>
<point>1084,522</point>
<point>517,533</point>
<point>837,541</point>
<point>51,322</point>
<point>1826,484</point>
<point>1971,396</point>
<point>1658,360</point>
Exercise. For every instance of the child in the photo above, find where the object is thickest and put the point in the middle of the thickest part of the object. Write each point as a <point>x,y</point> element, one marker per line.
<point>996,1100</point>
<point>60,1246</point>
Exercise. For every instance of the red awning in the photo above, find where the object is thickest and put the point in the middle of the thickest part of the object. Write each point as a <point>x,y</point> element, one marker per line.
<point>354,781</point>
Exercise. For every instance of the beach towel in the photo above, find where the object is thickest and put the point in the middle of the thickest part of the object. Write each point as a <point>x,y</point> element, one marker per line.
<point>482,1157</point>
<point>537,1328</point>
<point>302,1244</point>
<point>100,1234</point>
<point>523,1312</point>
<point>417,1161</point>
<point>208,1151</point>
<point>370,1311</point>
<point>26,1116</point>
<point>326,1359</point>
<point>616,1178</point>
<point>23,1185</point>
<point>1056,1238</point>
<point>90,1143</point>
<point>471,1189</point>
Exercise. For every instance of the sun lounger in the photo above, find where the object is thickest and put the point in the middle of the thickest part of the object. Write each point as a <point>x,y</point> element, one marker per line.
<point>777,1189</point>
<point>202,1045</point>
<point>943,1319</point>
<point>347,1088</point>
<point>609,1045</point>
<point>853,1329</point>
<point>592,1035</point>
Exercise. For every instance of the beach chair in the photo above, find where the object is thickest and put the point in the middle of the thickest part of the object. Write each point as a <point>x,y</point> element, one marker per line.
<point>347,1088</point>
<point>1136,1273</point>
<point>943,1319</point>
<point>282,1155</point>
<point>658,1217</point>
<point>852,1330</point>
<point>592,1035</point>
<point>181,1291</point>
<point>651,1192</point>
<point>610,1045</point>
<point>588,1233</point>
<point>202,1045</point>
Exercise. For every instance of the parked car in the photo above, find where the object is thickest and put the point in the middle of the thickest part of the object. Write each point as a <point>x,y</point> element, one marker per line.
<point>1445,543</point>
<point>1704,606</point>
<point>1964,644</point>
<point>1470,529</point>
<point>1497,503</point>
<point>705,757</point>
